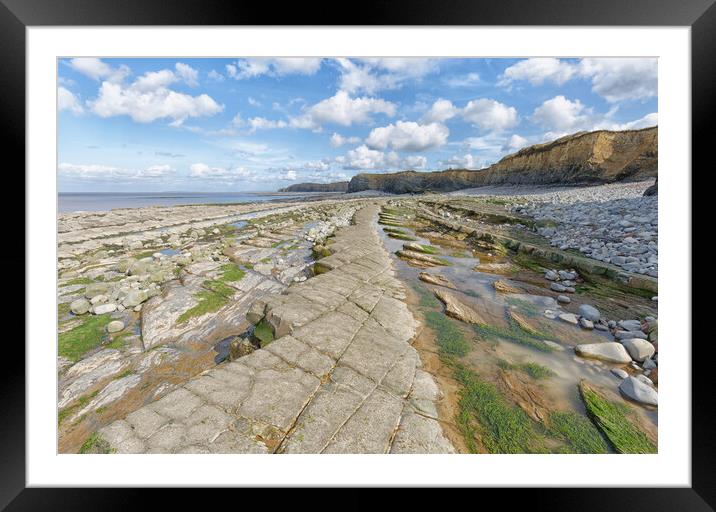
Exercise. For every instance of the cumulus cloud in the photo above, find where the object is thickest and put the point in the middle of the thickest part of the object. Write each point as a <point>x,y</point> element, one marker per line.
<point>561,114</point>
<point>370,75</point>
<point>643,122</point>
<point>536,71</point>
<point>414,162</point>
<point>467,161</point>
<point>343,110</point>
<point>261,123</point>
<point>149,99</point>
<point>68,101</point>
<point>253,102</point>
<point>250,68</point>
<point>215,76</point>
<point>441,111</point>
<point>224,174</point>
<point>99,172</point>
<point>615,79</point>
<point>515,142</point>
<point>618,79</point>
<point>468,80</point>
<point>490,115</point>
<point>189,75</point>
<point>337,140</point>
<point>97,69</point>
<point>408,136</point>
<point>152,80</point>
<point>364,158</point>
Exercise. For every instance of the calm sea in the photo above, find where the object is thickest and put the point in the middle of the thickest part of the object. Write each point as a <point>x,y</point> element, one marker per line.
<point>92,202</point>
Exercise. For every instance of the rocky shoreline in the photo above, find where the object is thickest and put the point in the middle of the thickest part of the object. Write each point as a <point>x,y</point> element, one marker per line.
<point>287,327</point>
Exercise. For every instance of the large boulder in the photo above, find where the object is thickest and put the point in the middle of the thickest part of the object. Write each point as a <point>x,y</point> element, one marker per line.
<point>639,391</point>
<point>134,298</point>
<point>115,326</point>
<point>639,349</point>
<point>80,306</point>
<point>610,352</point>
<point>589,312</point>
<point>101,309</point>
<point>94,289</point>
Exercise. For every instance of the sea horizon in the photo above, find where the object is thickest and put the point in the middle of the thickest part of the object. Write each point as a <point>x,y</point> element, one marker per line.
<point>71,202</point>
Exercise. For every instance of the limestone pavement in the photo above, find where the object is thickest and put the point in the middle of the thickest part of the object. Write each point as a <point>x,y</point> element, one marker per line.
<point>340,377</point>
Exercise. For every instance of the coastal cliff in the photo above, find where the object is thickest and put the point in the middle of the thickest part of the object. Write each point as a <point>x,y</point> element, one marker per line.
<point>339,186</point>
<point>585,157</point>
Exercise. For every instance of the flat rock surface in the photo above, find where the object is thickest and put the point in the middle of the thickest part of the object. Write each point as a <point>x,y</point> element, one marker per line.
<point>341,377</point>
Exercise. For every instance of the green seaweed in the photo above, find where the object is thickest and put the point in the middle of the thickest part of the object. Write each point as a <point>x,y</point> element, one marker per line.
<point>263,332</point>
<point>95,444</point>
<point>76,342</point>
<point>401,236</point>
<point>581,435</point>
<point>485,414</point>
<point>231,273</point>
<point>450,339</point>
<point>209,301</point>
<point>78,280</point>
<point>534,370</point>
<point>514,333</point>
<point>612,418</point>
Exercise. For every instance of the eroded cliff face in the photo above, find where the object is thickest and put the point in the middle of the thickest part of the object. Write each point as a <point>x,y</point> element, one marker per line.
<point>585,157</point>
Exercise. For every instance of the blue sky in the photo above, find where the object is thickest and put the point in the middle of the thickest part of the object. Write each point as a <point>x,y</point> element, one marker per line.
<point>260,124</point>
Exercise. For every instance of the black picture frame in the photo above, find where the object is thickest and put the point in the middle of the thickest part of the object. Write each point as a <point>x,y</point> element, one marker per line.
<point>16,15</point>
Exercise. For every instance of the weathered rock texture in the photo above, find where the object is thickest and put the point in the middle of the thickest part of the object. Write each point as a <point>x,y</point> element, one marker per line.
<point>586,157</point>
<point>341,375</point>
<point>338,186</point>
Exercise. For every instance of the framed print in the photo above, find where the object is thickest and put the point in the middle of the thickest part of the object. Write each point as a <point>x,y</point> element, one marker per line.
<point>419,250</point>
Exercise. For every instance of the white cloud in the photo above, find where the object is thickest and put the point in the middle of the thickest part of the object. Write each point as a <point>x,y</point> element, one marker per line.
<point>189,75</point>
<point>253,102</point>
<point>224,174</point>
<point>441,111</point>
<point>231,70</point>
<point>337,140</point>
<point>216,76</point>
<point>68,101</point>
<point>408,136</point>
<point>643,122</point>
<point>490,115</point>
<point>467,161</point>
<point>343,110</point>
<point>468,80</point>
<point>99,172</point>
<point>536,71</point>
<point>414,162</point>
<point>250,68</point>
<point>148,99</point>
<point>261,123</point>
<point>317,165</point>
<point>370,75</point>
<point>515,142</point>
<point>97,69</point>
<point>153,80</point>
<point>363,158</point>
<point>407,66</point>
<point>560,114</point>
<point>289,175</point>
<point>618,79</point>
